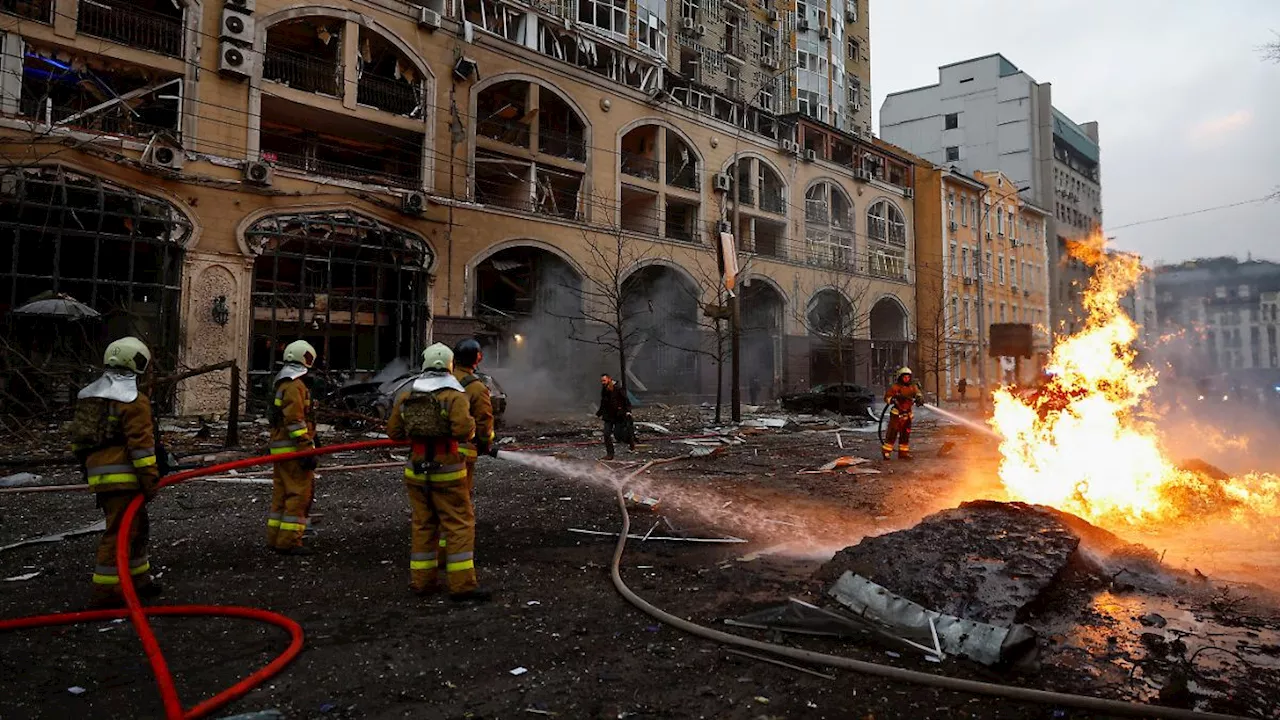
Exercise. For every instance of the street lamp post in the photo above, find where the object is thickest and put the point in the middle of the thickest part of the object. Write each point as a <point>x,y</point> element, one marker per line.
<point>983,219</point>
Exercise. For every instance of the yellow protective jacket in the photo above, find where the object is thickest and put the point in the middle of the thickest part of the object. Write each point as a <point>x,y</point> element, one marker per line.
<point>293,427</point>
<point>903,398</point>
<point>481,410</point>
<point>447,453</point>
<point>130,465</point>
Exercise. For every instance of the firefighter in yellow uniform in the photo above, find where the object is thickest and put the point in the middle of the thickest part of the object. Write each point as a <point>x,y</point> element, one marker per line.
<point>466,361</point>
<point>902,397</point>
<point>293,429</point>
<point>113,438</point>
<point>433,413</point>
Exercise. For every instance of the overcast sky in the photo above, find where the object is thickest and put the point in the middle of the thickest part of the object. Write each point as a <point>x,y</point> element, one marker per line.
<point>1189,109</point>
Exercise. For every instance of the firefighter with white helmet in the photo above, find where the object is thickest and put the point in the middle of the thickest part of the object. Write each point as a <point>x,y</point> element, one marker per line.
<point>293,428</point>
<point>901,397</point>
<point>112,435</point>
<point>434,414</point>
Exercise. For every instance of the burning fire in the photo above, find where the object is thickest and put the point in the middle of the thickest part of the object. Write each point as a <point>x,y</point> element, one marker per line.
<point>1084,443</point>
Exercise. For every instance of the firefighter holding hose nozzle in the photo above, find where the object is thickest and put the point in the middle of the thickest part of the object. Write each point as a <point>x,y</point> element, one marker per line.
<point>434,414</point>
<point>112,436</point>
<point>293,428</point>
<point>902,398</point>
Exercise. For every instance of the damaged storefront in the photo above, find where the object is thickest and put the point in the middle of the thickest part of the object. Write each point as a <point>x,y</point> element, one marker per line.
<point>82,260</point>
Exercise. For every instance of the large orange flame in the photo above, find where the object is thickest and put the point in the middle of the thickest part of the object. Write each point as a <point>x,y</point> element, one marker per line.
<point>1083,443</point>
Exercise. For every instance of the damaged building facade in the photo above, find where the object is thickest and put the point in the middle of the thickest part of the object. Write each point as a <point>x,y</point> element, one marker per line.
<point>221,177</point>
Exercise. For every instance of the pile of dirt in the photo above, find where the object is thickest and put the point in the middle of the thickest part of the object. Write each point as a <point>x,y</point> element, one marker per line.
<point>986,561</point>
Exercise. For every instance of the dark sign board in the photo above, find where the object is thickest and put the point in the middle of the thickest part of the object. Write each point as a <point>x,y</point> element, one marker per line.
<point>1010,340</point>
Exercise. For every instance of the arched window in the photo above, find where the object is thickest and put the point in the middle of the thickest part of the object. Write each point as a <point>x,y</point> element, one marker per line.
<point>307,90</point>
<point>887,241</point>
<point>828,226</point>
<point>659,184</point>
<point>519,123</point>
<point>763,197</point>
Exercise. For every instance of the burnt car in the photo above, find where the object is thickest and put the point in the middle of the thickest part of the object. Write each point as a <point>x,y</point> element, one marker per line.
<point>380,395</point>
<point>843,398</point>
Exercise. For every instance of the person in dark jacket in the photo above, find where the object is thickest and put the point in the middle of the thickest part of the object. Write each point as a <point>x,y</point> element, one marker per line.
<point>615,411</point>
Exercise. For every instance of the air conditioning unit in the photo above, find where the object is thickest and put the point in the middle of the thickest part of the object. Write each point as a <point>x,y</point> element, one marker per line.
<point>700,30</point>
<point>850,15</point>
<point>240,6</point>
<point>823,34</point>
<point>769,61</point>
<point>258,172</point>
<point>413,203</point>
<point>165,155</point>
<point>687,24</point>
<point>235,61</point>
<point>954,226</point>
<point>810,155</point>
<point>862,174</point>
<point>721,182</point>
<point>1026,293</point>
<point>773,16</point>
<point>908,193</point>
<point>967,331</point>
<point>802,25</point>
<point>968,281</point>
<point>428,18</point>
<point>236,26</point>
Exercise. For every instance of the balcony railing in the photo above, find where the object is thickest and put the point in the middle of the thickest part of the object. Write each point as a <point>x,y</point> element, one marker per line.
<point>511,132</point>
<point>640,166</point>
<point>304,73</point>
<point>38,10</point>
<point>111,121</point>
<point>120,22</point>
<point>570,147</point>
<point>327,168</point>
<point>394,96</point>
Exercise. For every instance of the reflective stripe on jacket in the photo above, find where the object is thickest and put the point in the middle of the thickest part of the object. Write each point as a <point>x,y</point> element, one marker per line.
<point>296,428</point>
<point>451,462</point>
<point>481,408</point>
<point>130,465</point>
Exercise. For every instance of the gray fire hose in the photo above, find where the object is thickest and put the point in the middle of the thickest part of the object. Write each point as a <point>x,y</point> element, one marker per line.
<point>1082,702</point>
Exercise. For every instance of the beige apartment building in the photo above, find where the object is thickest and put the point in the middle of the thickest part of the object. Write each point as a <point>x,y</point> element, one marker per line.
<point>221,177</point>
<point>979,244</point>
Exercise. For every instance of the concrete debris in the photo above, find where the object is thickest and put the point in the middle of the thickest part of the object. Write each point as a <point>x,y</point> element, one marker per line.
<point>638,502</point>
<point>23,578</point>
<point>861,471</point>
<point>76,690</point>
<point>1153,620</point>
<point>655,427</point>
<point>506,441</point>
<point>730,539</point>
<point>982,642</point>
<point>984,560</point>
<point>90,529</point>
<point>843,462</point>
<point>768,423</point>
<point>702,452</point>
<point>21,479</point>
<point>518,671</point>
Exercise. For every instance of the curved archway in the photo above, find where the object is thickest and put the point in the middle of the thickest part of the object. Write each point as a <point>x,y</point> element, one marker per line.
<point>886,240</point>
<point>889,338</point>
<point>353,286</point>
<point>828,225</point>
<point>527,299</point>
<point>660,306</point>
<point>659,182</point>
<point>833,324</point>
<point>762,310</point>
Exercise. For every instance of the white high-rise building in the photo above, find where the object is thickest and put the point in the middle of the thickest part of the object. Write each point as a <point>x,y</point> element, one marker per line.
<point>984,115</point>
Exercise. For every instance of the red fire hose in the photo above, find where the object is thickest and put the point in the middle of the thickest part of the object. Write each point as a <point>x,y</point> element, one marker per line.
<point>138,615</point>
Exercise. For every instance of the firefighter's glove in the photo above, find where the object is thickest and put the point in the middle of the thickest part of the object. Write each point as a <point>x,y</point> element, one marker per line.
<point>309,463</point>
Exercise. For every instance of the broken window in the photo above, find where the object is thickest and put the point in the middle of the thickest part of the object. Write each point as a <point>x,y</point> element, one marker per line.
<point>639,210</point>
<point>97,95</point>
<point>608,15</point>
<point>154,25</point>
<point>387,80</point>
<point>38,10</point>
<point>829,226</point>
<point>77,237</point>
<point>887,233</point>
<point>319,142</point>
<point>352,286</point>
<point>682,220</point>
<point>306,55</point>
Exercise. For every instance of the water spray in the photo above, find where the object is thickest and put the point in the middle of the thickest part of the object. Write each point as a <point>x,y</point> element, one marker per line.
<point>967,422</point>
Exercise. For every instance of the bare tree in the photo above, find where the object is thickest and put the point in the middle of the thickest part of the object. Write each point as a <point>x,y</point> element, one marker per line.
<point>1271,50</point>
<point>938,332</point>
<point>602,295</point>
<point>839,316</point>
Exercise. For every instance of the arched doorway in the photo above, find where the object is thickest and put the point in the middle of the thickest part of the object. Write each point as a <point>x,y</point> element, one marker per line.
<point>527,299</point>
<point>761,370</point>
<point>660,322</point>
<point>110,258</point>
<point>888,340</point>
<point>832,324</point>
<point>353,286</point>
